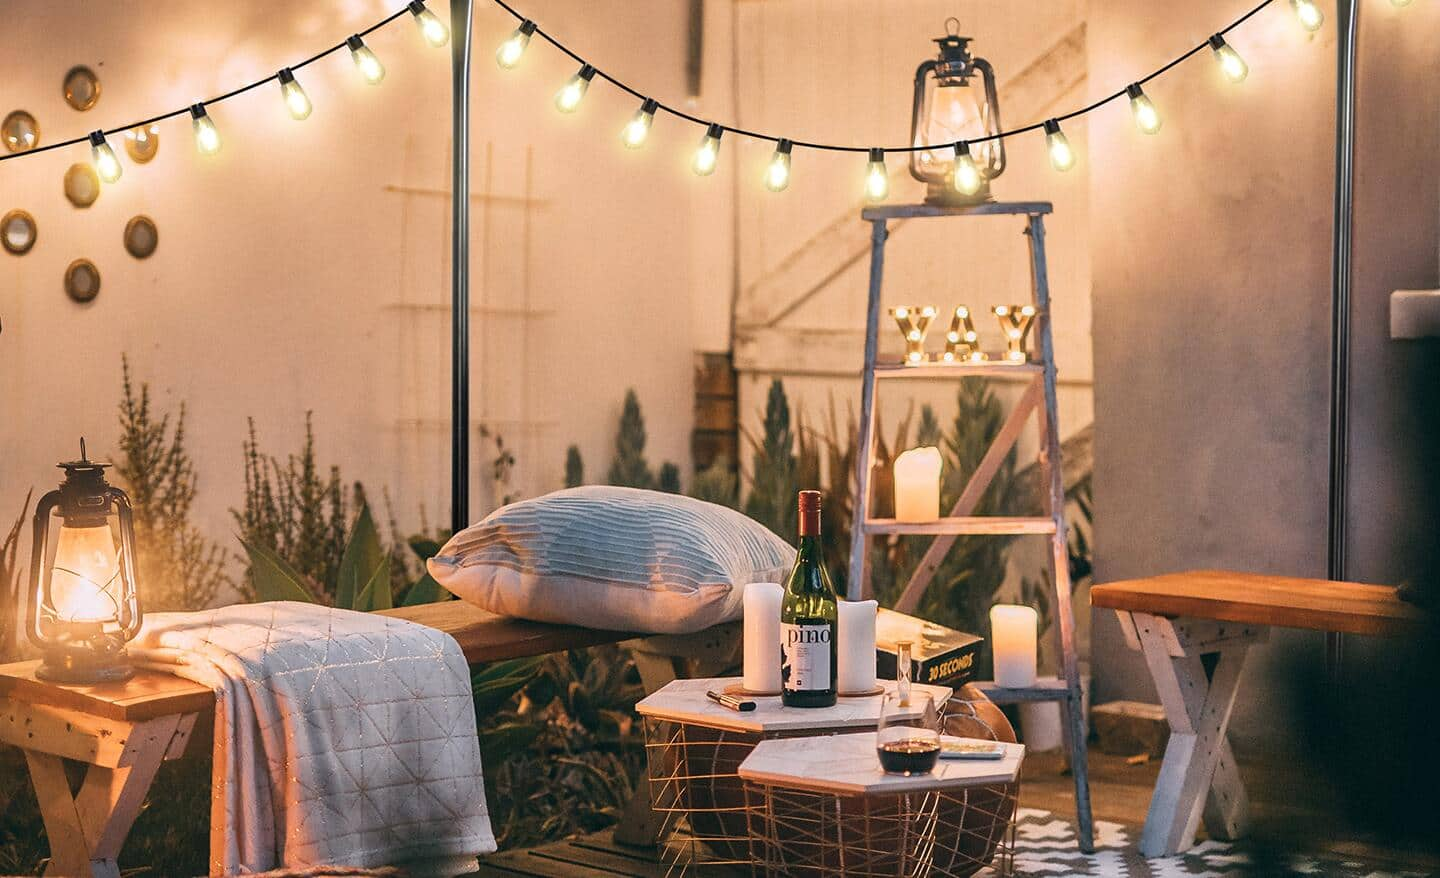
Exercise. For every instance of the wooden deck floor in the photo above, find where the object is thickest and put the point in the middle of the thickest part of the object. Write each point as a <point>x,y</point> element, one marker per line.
<point>1288,809</point>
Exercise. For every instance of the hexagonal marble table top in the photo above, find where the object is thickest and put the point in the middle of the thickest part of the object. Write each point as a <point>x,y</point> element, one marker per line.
<point>685,701</point>
<point>847,765</point>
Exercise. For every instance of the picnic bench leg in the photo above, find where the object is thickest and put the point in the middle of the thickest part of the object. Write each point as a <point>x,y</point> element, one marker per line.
<point>1198,710</point>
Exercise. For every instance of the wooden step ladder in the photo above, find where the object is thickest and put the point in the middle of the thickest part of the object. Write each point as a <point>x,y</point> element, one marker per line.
<point>1038,397</point>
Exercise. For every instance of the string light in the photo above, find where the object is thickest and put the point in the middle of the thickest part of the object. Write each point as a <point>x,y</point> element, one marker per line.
<point>365,60</point>
<point>207,137</point>
<point>1147,118</point>
<point>1231,64</point>
<point>296,101</point>
<point>707,154</point>
<point>106,164</point>
<point>431,28</point>
<point>877,180</point>
<point>510,51</point>
<point>777,173</point>
<point>1399,4</point>
<point>567,99</point>
<point>1309,14</point>
<point>1062,157</point>
<point>638,128</point>
<point>968,178</point>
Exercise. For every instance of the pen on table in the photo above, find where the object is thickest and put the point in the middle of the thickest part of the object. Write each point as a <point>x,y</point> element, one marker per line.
<point>730,701</point>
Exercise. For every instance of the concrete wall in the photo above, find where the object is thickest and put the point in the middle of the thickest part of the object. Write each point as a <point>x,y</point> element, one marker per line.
<point>1211,247</point>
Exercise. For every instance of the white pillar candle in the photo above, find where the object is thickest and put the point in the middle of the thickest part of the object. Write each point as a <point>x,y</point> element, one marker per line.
<point>762,637</point>
<point>1013,632</point>
<point>917,485</point>
<point>856,647</point>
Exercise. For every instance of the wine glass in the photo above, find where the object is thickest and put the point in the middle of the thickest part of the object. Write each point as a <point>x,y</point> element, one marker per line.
<point>907,739</point>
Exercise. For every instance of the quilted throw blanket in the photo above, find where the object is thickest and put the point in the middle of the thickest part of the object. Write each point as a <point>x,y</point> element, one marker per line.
<point>340,737</point>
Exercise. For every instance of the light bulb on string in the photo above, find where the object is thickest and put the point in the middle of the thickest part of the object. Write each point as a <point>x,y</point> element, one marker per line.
<point>365,60</point>
<point>1062,156</point>
<point>296,101</point>
<point>967,179</point>
<point>567,99</point>
<point>207,137</point>
<point>1400,4</point>
<point>1147,118</point>
<point>638,128</point>
<point>106,164</point>
<point>431,28</point>
<point>1231,64</point>
<point>777,173</point>
<point>877,180</point>
<point>1309,14</point>
<point>707,154</point>
<point>510,51</point>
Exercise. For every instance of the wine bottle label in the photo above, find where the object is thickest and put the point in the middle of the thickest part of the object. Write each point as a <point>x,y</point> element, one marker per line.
<point>805,658</point>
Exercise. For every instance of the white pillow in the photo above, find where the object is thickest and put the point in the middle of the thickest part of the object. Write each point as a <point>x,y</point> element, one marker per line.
<point>618,559</point>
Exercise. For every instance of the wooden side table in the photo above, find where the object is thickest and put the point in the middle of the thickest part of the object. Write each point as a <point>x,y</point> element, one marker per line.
<point>121,731</point>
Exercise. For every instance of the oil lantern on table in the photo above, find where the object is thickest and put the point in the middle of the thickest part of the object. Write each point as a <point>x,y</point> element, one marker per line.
<point>956,103</point>
<point>83,603</point>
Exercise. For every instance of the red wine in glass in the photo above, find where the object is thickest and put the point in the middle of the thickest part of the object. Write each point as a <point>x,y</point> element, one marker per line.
<point>909,755</point>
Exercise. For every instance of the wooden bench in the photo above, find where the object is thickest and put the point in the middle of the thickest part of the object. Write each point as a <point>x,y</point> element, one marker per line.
<point>123,731</point>
<point>1176,619</point>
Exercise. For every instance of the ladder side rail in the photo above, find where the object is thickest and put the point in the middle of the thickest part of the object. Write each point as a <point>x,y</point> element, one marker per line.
<point>856,587</point>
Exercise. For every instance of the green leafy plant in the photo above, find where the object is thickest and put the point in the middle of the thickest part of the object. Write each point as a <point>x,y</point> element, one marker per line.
<point>669,478</point>
<point>717,483</point>
<point>181,569</point>
<point>10,578</point>
<point>502,467</point>
<point>574,467</point>
<point>774,469</point>
<point>629,469</point>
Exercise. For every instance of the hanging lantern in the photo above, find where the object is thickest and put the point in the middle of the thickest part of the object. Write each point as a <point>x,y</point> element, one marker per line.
<point>955,102</point>
<point>83,605</point>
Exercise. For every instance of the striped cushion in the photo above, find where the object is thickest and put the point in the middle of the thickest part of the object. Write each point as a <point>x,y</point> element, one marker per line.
<point>619,559</point>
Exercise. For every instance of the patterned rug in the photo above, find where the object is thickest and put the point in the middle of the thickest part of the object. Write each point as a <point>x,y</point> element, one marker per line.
<point>1045,846</point>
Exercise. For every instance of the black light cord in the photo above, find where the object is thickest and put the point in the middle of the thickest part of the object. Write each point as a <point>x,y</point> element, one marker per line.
<point>673,111</point>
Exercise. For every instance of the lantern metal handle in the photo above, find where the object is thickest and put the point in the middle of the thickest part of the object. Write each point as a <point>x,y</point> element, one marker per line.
<point>43,509</point>
<point>996,165</point>
<point>130,615</point>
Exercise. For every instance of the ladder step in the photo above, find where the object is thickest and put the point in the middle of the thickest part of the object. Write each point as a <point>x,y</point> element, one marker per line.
<point>1045,689</point>
<point>991,368</point>
<point>971,524</point>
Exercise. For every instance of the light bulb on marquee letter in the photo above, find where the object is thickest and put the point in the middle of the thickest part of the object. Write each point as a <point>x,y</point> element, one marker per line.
<point>1062,156</point>
<point>207,137</point>
<point>365,60</point>
<point>1147,118</point>
<point>567,99</point>
<point>296,101</point>
<point>968,178</point>
<point>1309,14</point>
<point>1015,322</point>
<point>877,180</point>
<point>106,164</point>
<point>431,28</point>
<point>1231,64</point>
<point>962,342</point>
<point>510,51</point>
<point>914,323</point>
<point>777,173</point>
<point>707,154</point>
<point>638,128</point>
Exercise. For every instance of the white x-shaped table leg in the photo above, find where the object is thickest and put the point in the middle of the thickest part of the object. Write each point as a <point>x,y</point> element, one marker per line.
<point>1199,768</point>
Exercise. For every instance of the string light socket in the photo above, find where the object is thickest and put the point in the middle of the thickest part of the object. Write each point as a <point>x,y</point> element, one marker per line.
<point>431,27</point>
<point>707,154</point>
<point>207,137</point>
<point>296,101</point>
<point>967,177</point>
<point>1147,118</point>
<point>638,128</point>
<point>1231,64</point>
<point>1062,156</point>
<point>106,164</point>
<point>1309,14</point>
<point>511,51</point>
<point>877,179</point>
<point>777,173</point>
<point>365,60</point>
<point>567,99</point>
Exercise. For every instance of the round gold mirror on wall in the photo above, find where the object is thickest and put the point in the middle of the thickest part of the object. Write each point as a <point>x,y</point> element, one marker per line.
<point>17,232</point>
<point>82,185</point>
<point>82,280</point>
<point>142,143</point>
<point>141,236</point>
<point>82,87</point>
<point>20,131</point>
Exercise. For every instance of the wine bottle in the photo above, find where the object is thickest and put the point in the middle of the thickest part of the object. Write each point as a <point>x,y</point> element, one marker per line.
<point>808,617</point>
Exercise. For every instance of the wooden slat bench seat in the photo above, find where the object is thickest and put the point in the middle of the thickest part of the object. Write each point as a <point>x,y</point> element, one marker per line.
<point>1175,621</point>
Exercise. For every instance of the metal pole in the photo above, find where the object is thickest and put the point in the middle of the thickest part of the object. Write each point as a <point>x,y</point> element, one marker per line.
<point>1348,15</point>
<point>461,15</point>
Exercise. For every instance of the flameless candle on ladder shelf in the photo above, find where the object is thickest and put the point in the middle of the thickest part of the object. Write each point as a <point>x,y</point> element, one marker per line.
<point>83,602</point>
